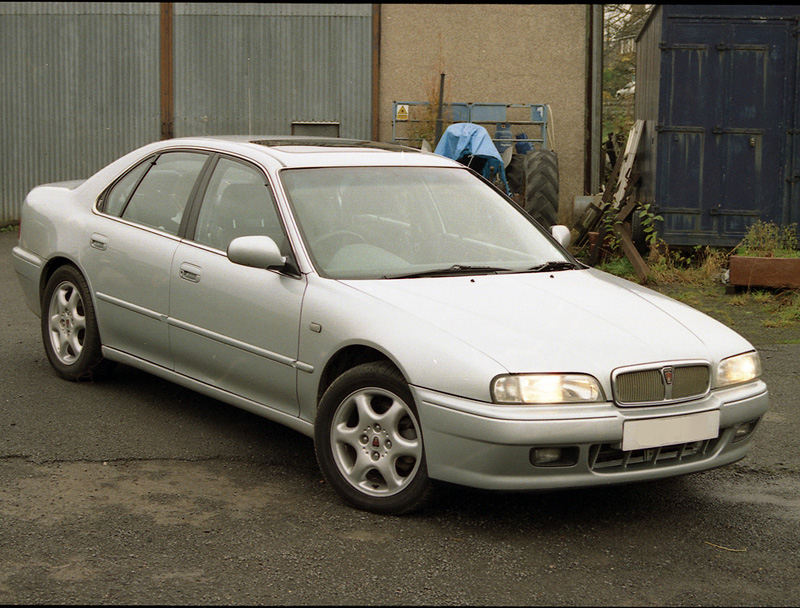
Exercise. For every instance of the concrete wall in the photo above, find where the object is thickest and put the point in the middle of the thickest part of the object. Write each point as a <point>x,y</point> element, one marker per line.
<point>501,53</point>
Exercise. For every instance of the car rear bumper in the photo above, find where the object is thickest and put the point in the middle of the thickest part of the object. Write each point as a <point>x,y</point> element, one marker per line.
<point>29,270</point>
<point>490,446</point>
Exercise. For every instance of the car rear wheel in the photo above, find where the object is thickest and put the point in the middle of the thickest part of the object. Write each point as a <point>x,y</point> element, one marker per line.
<point>369,442</point>
<point>69,327</point>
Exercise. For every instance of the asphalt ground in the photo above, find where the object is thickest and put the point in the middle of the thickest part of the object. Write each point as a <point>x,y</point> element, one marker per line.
<point>136,491</point>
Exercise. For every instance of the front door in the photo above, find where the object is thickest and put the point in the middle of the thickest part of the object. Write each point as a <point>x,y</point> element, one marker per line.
<point>232,326</point>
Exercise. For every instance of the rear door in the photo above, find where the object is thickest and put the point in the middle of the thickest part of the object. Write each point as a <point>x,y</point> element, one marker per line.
<point>129,256</point>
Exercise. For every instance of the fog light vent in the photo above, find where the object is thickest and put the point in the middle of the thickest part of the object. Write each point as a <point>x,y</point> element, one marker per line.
<point>743,431</point>
<point>554,456</point>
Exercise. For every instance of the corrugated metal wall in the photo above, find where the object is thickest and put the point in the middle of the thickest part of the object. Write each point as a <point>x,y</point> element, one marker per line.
<point>259,67</point>
<point>648,79</point>
<point>80,81</point>
<point>78,88</point>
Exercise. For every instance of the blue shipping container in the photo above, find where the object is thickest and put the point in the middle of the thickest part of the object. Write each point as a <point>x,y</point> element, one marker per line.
<point>718,89</point>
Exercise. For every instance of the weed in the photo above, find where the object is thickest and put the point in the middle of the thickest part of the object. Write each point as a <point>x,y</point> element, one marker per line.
<point>695,277</point>
<point>619,266</point>
<point>767,240</point>
<point>648,218</point>
<point>698,266</point>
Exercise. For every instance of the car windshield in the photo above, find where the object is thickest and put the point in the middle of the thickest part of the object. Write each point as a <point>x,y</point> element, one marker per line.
<point>396,222</point>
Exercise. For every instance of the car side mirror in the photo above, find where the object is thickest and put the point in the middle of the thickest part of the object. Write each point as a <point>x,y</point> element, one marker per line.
<point>562,235</point>
<point>255,251</point>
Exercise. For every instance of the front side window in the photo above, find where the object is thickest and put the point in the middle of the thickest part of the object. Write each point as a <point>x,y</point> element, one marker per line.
<point>238,202</point>
<point>160,199</point>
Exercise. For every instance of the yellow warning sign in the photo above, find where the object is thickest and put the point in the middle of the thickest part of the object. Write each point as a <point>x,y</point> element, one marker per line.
<point>402,112</point>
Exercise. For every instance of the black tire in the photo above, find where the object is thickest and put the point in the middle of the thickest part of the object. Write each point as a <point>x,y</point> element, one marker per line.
<point>638,235</point>
<point>541,186</point>
<point>69,327</point>
<point>515,174</point>
<point>368,441</point>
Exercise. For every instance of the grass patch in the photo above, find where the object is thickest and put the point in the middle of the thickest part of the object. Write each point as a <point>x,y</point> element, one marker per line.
<point>785,308</point>
<point>696,278</point>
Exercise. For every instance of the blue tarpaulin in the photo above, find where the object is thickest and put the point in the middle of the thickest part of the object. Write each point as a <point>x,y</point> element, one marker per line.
<point>464,141</point>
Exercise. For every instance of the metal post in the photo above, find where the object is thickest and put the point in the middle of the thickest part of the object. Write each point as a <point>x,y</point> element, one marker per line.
<point>438,134</point>
<point>167,74</point>
<point>596,160</point>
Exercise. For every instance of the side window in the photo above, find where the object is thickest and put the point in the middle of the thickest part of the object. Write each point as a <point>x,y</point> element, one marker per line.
<point>116,198</point>
<point>161,197</point>
<point>238,202</point>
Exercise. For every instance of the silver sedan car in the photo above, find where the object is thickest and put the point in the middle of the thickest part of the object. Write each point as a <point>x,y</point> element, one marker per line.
<point>389,303</point>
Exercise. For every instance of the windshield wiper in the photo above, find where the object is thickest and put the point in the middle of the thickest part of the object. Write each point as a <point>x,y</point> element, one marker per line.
<point>455,269</point>
<point>553,266</point>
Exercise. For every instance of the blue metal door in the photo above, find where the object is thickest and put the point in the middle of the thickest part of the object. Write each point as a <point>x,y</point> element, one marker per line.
<point>725,110</point>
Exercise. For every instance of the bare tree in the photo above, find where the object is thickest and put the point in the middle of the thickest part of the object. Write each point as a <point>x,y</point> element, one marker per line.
<point>621,23</point>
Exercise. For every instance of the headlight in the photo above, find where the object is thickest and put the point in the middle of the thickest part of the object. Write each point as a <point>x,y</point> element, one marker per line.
<point>546,388</point>
<point>741,368</point>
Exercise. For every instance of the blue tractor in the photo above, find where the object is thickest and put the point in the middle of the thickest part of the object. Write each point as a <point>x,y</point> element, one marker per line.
<point>523,161</point>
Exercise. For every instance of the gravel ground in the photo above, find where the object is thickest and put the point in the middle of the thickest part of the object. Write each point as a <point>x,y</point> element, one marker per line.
<point>136,491</point>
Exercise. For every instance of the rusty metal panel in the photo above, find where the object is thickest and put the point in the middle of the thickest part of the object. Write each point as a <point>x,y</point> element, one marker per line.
<point>79,89</point>
<point>259,68</point>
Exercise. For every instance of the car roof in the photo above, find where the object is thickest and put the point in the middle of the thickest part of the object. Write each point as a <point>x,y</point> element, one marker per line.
<point>302,151</point>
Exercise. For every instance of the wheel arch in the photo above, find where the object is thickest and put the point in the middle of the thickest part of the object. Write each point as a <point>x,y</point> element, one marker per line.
<point>50,268</point>
<point>347,358</point>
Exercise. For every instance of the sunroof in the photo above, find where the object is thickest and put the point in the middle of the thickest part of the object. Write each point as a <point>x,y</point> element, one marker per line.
<point>331,142</point>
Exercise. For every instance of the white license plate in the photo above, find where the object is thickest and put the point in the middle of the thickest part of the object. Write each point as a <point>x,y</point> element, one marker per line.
<point>657,432</point>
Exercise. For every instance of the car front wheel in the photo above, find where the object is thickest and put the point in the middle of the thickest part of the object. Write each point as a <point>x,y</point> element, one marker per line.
<point>369,442</point>
<point>69,327</point>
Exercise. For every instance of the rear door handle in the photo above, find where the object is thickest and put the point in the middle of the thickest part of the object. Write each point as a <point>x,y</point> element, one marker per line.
<point>98,241</point>
<point>189,272</point>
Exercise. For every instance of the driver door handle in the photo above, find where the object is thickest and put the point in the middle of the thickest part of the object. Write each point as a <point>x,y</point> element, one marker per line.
<point>190,272</point>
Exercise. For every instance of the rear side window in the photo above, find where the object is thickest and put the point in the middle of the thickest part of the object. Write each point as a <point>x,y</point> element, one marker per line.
<point>116,198</point>
<point>160,199</point>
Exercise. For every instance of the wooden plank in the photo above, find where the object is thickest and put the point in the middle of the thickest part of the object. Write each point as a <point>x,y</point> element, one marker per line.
<point>639,265</point>
<point>166,34</point>
<point>618,186</point>
<point>591,217</point>
<point>629,157</point>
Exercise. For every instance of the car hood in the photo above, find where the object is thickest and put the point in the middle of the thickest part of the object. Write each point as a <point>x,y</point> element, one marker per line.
<point>568,321</point>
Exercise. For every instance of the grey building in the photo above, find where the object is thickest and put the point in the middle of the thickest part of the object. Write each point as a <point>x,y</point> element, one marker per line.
<point>85,82</point>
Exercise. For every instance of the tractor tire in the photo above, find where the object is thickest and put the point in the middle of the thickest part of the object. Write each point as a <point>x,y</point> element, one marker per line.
<point>515,174</point>
<point>541,186</point>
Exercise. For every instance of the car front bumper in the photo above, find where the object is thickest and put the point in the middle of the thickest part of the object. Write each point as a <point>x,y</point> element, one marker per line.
<point>491,446</point>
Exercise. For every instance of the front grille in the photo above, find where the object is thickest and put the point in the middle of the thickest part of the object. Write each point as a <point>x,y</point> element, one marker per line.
<point>608,458</point>
<point>663,384</point>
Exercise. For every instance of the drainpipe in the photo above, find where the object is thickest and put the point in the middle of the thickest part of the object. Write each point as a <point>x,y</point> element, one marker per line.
<point>166,67</point>
<point>595,99</point>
